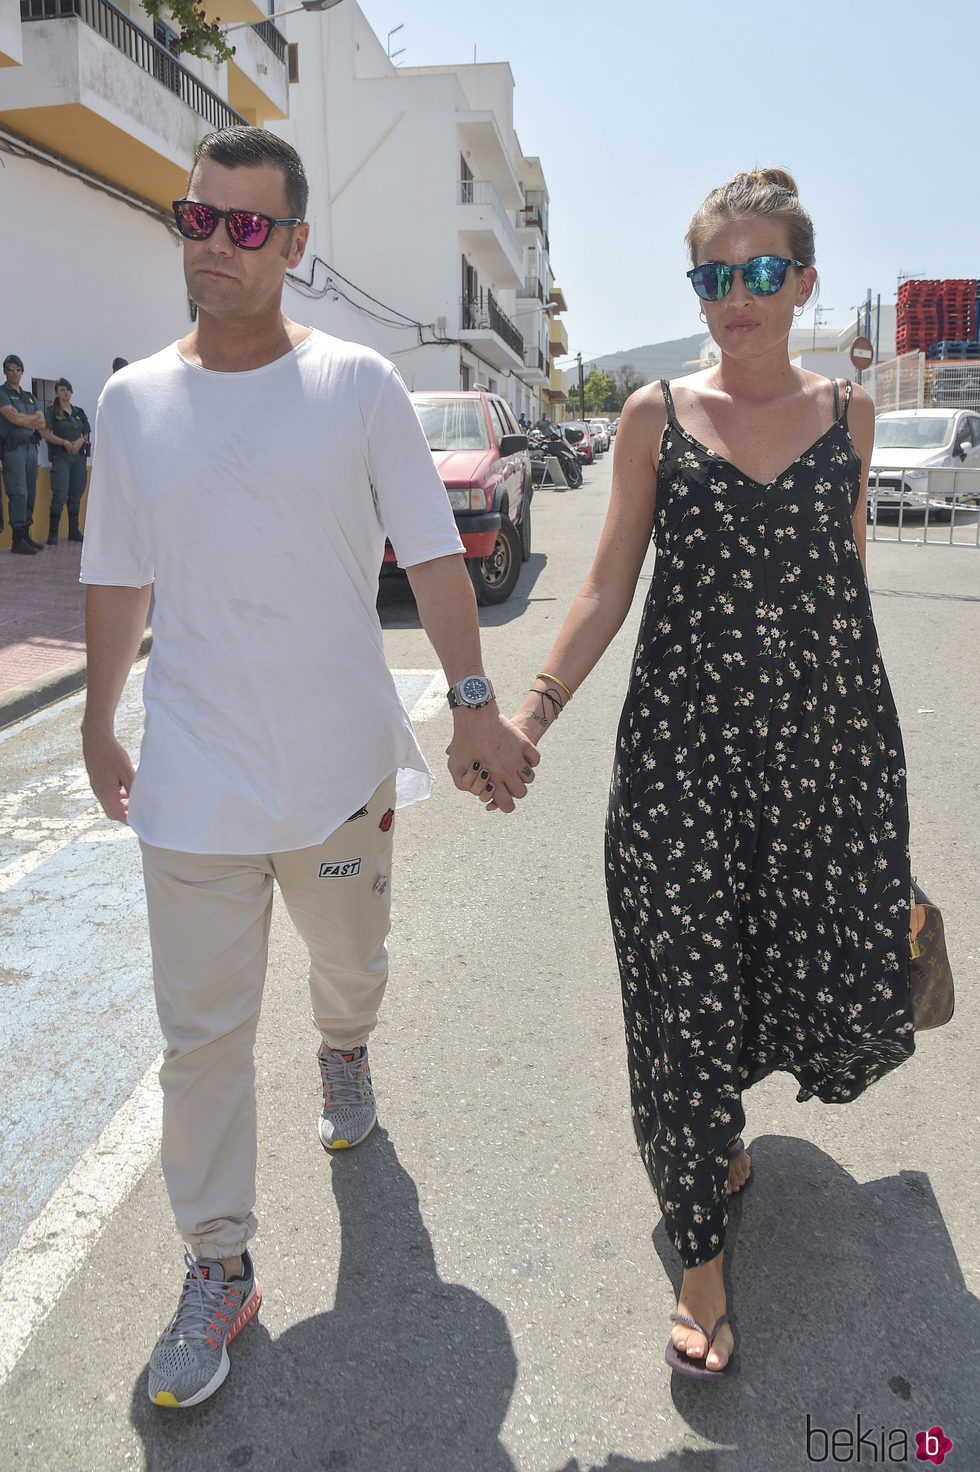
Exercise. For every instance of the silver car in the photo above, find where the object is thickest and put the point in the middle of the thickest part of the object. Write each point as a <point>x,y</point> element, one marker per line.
<point>599,430</point>
<point>915,455</point>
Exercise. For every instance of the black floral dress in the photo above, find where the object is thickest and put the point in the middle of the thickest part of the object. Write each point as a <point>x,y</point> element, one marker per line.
<point>757,838</point>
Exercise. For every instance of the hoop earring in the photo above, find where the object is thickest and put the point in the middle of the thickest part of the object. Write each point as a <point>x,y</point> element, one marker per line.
<point>703,317</point>
<point>798,311</point>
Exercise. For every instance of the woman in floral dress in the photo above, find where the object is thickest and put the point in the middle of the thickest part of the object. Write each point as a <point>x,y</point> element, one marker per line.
<point>756,851</point>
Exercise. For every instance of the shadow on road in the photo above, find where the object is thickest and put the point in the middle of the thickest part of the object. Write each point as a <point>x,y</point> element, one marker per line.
<point>847,1300</point>
<point>406,1372</point>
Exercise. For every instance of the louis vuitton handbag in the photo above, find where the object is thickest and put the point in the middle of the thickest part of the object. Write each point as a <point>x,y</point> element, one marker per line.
<point>930,977</point>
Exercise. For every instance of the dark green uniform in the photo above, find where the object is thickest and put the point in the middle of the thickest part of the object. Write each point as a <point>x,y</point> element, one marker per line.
<point>19,456</point>
<point>67,470</point>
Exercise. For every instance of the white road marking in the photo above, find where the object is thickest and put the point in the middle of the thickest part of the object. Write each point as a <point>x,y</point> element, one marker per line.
<point>433,698</point>
<point>51,1252</point>
<point>53,1249</point>
<point>18,869</point>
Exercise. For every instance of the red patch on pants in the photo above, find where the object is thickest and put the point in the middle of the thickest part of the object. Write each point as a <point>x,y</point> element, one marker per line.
<point>385,823</point>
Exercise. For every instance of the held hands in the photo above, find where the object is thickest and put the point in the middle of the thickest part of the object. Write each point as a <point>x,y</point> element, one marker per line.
<point>110,772</point>
<point>491,757</point>
<point>542,706</point>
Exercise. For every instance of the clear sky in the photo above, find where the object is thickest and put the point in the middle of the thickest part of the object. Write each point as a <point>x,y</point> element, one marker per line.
<point>637,108</point>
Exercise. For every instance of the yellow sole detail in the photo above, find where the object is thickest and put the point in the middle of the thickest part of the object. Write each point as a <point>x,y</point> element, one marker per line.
<point>166,1398</point>
<point>340,1145</point>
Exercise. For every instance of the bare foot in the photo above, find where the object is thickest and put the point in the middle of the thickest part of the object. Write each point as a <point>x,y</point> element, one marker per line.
<point>702,1298</point>
<point>739,1170</point>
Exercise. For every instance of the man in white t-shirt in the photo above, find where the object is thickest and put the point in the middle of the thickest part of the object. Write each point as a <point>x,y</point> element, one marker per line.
<point>249,474</point>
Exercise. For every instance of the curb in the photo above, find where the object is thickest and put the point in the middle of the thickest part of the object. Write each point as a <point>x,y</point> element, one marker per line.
<point>35,695</point>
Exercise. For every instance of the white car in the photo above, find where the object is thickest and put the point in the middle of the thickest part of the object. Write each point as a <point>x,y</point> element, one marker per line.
<point>599,430</point>
<point>909,443</point>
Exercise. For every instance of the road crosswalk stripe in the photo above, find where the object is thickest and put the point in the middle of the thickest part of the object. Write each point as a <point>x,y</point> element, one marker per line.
<point>54,1247</point>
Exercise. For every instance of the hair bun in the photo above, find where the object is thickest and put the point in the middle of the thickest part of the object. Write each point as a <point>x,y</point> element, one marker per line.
<point>768,192</point>
<point>776,178</point>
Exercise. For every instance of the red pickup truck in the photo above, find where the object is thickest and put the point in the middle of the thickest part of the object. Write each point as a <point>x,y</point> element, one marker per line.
<point>483,460</point>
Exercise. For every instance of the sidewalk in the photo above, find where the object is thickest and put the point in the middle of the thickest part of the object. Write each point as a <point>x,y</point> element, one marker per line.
<point>42,629</point>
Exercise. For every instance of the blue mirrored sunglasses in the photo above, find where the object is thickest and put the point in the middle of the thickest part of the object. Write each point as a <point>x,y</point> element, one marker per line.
<point>763,276</point>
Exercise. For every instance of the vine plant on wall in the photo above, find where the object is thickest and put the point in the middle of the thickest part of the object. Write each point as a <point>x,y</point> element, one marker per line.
<point>198,35</point>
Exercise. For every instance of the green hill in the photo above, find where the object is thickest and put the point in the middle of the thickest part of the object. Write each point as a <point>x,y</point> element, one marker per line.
<point>654,360</point>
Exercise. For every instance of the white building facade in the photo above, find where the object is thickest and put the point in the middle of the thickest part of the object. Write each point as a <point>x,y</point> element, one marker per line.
<point>98,125</point>
<point>418,185</point>
<point>423,240</point>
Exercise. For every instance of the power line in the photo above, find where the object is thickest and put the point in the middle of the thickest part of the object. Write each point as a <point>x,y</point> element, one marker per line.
<point>393,318</point>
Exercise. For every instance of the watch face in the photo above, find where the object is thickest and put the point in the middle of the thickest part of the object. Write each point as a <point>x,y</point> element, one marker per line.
<point>475,690</point>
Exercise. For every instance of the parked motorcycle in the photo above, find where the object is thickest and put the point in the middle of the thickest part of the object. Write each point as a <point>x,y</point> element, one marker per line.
<point>542,444</point>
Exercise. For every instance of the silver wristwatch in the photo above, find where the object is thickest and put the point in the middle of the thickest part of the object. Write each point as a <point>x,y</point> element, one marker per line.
<point>473,692</point>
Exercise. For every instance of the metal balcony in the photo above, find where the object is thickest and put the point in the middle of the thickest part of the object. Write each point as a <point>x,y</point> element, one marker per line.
<point>141,48</point>
<point>532,218</point>
<point>487,233</point>
<point>536,365</point>
<point>491,332</point>
<point>533,287</point>
<point>272,36</point>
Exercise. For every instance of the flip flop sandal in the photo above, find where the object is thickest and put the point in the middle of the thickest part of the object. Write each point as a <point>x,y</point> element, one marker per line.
<point>678,1360</point>
<point>738,1148</point>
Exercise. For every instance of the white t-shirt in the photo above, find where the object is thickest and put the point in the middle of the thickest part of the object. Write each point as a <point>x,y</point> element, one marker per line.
<point>257,504</point>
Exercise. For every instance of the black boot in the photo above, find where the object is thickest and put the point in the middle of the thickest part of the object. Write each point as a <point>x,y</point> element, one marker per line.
<point>21,542</point>
<point>38,546</point>
<point>74,535</point>
<point>53,523</point>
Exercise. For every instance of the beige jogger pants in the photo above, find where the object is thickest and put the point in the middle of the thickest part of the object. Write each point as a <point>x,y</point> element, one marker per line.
<point>209,931</point>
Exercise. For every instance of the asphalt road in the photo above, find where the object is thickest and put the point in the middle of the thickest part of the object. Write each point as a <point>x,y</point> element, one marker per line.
<point>484,1285</point>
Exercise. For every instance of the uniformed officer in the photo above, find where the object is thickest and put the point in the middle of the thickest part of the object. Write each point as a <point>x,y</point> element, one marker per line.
<point>21,423</point>
<point>67,433</point>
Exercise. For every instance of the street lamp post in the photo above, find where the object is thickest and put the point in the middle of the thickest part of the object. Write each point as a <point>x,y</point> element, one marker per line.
<point>309,5</point>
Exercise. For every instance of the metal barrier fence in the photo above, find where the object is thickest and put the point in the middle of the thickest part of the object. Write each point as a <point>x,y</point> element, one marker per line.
<point>938,507</point>
<point>896,384</point>
<point>916,382</point>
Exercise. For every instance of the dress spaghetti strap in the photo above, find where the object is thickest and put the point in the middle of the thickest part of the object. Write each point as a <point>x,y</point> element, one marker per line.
<point>837,398</point>
<point>668,403</point>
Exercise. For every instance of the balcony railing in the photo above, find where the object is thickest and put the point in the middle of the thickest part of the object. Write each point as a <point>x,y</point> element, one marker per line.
<point>487,314</point>
<point>504,327</point>
<point>532,287</point>
<point>481,191</point>
<point>534,358</point>
<point>532,215</point>
<point>272,36</point>
<point>141,48</point>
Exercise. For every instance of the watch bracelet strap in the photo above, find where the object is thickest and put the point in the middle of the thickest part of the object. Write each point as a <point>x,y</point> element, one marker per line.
<point>455,700</point>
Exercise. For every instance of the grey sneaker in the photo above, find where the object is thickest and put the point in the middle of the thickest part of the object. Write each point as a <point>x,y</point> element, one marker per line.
<point>190,1360</point>
<point>349,1109</point>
